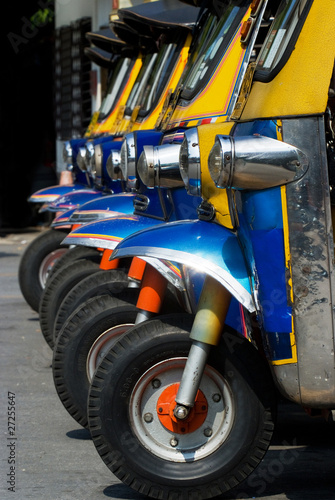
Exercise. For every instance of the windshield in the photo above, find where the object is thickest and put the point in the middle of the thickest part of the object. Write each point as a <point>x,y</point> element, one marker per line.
<point>213,40</point>
<point>281,37</point>
<point>141,81</point>
<point>161,71</point>
<point>115,87</point>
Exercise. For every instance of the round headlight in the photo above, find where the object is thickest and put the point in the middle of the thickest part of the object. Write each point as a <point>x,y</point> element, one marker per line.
<point>98,159</point>
<point>220,160</point>
<point>113,165</point>
<point>145,166</point>
<point>189,162</point>
<point>128,160</point>
<point>183,161</point>
<point>215,161</point>
<point>124,160</point>
<point>90,159</point>
<point>67,153</point>
<point>81,159</point>
<point>255,162</point>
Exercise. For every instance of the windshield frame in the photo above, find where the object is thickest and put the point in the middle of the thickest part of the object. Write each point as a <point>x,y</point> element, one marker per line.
<point>116,91</point>
<point>209,41</point>
<point>266,75</point>
<point>164,72</point>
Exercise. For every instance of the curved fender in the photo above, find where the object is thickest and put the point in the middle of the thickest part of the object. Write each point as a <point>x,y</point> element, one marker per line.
<point>74,200</point>
<point>104,207</point>
<point>63,219</point>
<point>109,232</point>
<point>205,246</point>
<point>50,194</point>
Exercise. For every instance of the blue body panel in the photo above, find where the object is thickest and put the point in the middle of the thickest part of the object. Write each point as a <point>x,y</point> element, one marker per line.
<point>262,236</point>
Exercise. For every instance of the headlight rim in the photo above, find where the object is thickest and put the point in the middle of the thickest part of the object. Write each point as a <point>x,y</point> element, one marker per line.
<point>193,170</point>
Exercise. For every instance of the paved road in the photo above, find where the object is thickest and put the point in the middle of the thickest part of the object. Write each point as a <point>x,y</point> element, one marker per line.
<point>52,458</point>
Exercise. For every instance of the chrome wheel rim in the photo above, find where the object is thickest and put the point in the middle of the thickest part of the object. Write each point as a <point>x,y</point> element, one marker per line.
<point>47,264</point>
<point>102,345</point>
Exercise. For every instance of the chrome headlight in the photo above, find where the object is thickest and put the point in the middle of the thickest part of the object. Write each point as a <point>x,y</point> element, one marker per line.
<point>189,162</point>
<point>128,160</point>
<point>81,157</point>
<point>90,158</point>
<point>158,166</point>
<point>254,162</point>
<point>98,160</point>
<point>113,165</point>
<point>67,153</point>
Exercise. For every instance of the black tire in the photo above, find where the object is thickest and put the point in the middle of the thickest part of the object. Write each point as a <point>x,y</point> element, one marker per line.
<point>101,282</point>
<point>37,261</point>
<point>57,288</point>
<point>74,253</point>
<point>89,331</point>
<point>130,437</point>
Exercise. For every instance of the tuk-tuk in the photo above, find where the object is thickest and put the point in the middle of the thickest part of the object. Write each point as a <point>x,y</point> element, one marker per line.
<point>77,343</point>
<point>184,407</point>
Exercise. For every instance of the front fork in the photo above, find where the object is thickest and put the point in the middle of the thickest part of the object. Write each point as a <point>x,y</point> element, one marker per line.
<point>207,327</point>
<point>206,331</point>
<point>152,284</point>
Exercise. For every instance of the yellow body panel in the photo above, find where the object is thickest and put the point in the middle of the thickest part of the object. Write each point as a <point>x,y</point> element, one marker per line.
<point>150,121</point>
<point>216,196</point>
<point>301,87</point>
<point>213,101</point>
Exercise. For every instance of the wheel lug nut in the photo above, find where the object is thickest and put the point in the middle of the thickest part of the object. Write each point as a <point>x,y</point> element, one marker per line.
<point>173,442</point>
<point>216,398</point>
<point>148,418</point>
<point>208,432</point>
<point>156,383</point>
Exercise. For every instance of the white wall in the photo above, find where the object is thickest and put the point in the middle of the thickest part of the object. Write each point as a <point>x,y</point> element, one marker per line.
<point>67,11</point>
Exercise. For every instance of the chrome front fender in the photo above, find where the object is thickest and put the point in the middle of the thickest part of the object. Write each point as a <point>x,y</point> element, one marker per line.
<point>207,247</point>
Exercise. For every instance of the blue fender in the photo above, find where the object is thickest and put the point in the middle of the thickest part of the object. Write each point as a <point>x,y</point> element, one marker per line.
<point>74,199</point>
<point>50,194</point>
<point>102,208</point>
<point>63,219</point>
<point>109,232</point>
<point>208,247</point>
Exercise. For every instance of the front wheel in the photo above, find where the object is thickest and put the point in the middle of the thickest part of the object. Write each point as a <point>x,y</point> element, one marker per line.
<point>133,427</point>
<point>36,263</point>
<point>85,337</point>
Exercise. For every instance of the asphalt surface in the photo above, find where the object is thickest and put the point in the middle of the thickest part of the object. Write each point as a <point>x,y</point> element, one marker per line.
<point>46,455</point>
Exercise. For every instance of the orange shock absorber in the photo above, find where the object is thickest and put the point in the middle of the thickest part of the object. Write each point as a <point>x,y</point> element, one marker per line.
<point>136,269</point>
<point>107,264</point>
<point>152,291</point>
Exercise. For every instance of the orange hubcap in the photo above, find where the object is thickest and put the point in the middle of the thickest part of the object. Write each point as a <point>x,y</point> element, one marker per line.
<point>166,404</point>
